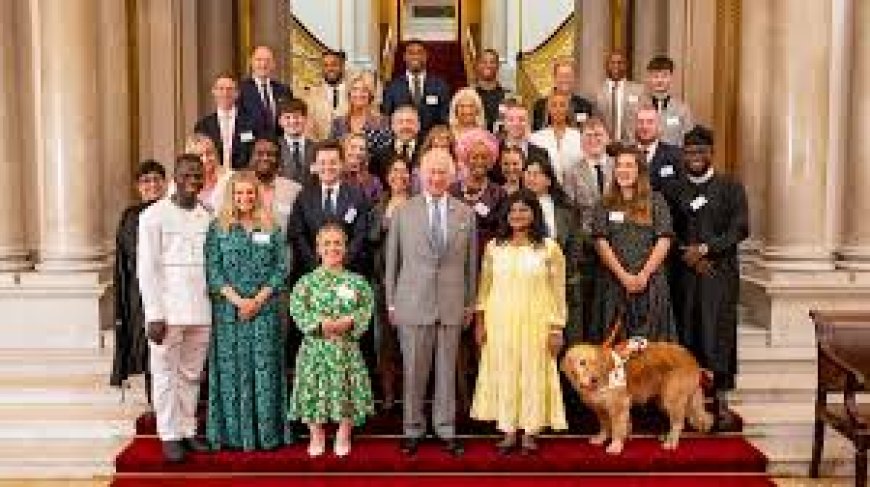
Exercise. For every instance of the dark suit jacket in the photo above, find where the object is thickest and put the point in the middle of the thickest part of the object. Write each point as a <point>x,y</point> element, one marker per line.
<point>661,178</point>
<point>245,128</point>
<point>301,175</point>
<point>251,103</point>
<point>308,216</point>
<point>434,106</point>
<point>578,105</point>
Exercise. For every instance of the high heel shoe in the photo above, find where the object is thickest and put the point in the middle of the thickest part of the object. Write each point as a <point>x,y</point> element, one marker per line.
<point>341,447</point>
<point>316,448</point>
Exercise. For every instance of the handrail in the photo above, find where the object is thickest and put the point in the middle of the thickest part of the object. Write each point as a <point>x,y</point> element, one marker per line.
<point>469,55</point>
<point>388,54</point>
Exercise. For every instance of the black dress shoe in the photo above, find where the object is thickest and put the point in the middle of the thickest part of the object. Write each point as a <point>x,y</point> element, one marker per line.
<point>195,445</point>
<point>453,446</point>
<point>173,451</point>
<point>409,445</point>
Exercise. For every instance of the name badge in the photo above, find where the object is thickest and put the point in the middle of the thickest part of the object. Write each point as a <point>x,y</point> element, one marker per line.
<point>666,171</point>
<point>431,99</point>
<point>481,209</point>
<point>698,203</point>
<point>581,117</point>
<point>261,238</point>
<point>502,108</point>
<point>632,98</point>
<point>284,209</point>
<point>617,216</point>
<point>672,121</point>
<point>350,215</point>
<point>246,136</point>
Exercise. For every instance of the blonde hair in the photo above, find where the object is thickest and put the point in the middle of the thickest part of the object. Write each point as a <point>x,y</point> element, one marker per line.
<point>369,83</point>
<point>463,94</point>
<point>227,214</point>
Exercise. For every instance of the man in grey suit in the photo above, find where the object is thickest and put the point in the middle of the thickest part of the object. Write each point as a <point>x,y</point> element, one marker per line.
<point>618,97</point>
<point>431,276</point>
<point>587,181</point>
<point>675,118</point>
<point>297,150</point>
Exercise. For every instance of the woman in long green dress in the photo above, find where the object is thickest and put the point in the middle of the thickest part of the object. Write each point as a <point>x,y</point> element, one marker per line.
<point>245,269</point>
<point>632,232</point>
<point>332,307</point>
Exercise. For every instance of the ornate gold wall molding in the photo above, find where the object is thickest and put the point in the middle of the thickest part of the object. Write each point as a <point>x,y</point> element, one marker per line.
<point>535,67</point>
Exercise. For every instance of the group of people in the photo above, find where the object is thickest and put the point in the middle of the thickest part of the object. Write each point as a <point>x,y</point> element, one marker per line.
<point>355,236</point>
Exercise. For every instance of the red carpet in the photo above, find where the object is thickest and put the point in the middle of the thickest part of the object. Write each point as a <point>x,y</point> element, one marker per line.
<point>456,481</point>
<point>444,60</point>
<point>382,455</point>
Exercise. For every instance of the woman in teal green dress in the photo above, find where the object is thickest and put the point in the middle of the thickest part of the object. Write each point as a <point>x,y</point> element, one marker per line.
<point>245,269</point>
<point>332,307</point>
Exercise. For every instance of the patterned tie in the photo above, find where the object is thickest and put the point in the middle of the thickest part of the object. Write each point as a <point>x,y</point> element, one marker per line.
<point>436,227</point>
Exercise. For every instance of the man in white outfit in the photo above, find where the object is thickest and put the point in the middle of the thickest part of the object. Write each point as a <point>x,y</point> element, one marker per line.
<point>171,272</point>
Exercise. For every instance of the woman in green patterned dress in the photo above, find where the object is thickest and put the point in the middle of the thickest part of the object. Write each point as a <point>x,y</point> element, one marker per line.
<point>332,308</point>
<point>245,269</point>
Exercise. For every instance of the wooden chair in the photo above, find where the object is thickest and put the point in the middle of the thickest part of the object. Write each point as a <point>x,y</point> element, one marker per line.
<point>843,342</point>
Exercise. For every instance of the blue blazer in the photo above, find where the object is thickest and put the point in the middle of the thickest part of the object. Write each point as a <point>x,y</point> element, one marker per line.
<point>244,134</point>
<point>252,104</point>
<point>665,168</point>
<point>434,106</point>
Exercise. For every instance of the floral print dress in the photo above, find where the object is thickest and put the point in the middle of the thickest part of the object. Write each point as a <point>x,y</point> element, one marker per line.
<point>331,382</point>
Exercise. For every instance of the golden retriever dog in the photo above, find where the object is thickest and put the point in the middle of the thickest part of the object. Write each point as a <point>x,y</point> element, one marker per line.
<point>610,381</point>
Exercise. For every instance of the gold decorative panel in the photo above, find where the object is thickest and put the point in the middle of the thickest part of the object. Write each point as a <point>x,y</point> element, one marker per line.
<point>534,68</point>
<point>306,59</point>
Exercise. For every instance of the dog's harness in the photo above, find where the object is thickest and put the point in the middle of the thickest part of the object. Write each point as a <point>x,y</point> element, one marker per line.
<point>621,354</point>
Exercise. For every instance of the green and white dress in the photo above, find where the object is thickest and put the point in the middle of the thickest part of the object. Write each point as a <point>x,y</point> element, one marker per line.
<point>331,381</point>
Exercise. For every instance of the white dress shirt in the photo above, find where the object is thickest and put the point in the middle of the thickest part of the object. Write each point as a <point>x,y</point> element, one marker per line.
<point>620,96</point>
<point>340,91</point>
<point>268,98</point>
<point>171,264</point>
<point>548,208</point>
<point>335,188</point>
<point>227,123</point>
<point>422,76</point>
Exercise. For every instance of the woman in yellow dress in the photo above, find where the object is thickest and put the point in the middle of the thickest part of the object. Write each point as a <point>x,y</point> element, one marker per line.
<point>521,315</point>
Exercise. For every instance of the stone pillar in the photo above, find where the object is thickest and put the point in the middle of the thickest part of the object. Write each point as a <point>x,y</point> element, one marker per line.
<point>856,231</point>
<point>13,248</point>
<point>114,82</point>
<point>650,23</point>
<point>70,171</point>
<point>216,32</point>
<point>752,127</point>
<point>799,137</point>
<point>593,39</point>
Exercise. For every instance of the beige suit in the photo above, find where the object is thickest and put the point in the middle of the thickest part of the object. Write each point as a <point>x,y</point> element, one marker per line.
<point>581,184</point>
<point>320,109</point>
<point>428,293</point>
<point>629,96</point>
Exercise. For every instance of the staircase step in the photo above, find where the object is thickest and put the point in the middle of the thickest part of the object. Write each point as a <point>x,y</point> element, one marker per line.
<point>58,421</point>
<point>792,458</point>
<point>749,335</point>
<point>776,360</point>
<point>59,458</point>
<point>775,387</point>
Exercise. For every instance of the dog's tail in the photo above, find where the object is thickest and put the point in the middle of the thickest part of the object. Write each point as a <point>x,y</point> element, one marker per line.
<point>698,416</point>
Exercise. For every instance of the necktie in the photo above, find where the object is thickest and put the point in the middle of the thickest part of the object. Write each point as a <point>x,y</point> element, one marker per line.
<point>661,103</point>
<point>599,174</point>
<point>436,227</point>
<point>335,97</point>
<point>406,150</point>
<point>417,89</point>
<point>614,110</point>
<point>267,100</point>
<point>297,159</point>
<point>329,202</point>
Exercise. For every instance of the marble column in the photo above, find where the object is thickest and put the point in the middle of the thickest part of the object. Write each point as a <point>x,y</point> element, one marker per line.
<point>269,28</point>
<point>856,232</point>
<point>216,32</point>
<point>650,33</point>
<point>114,83</point>
<point>70,171</point>
<point>13,249</point>
<point>593,41</point>
<point>752,116</point>
<point>799,136</point>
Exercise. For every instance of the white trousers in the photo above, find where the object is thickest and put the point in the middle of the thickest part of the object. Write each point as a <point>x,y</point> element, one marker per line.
<point>176,371</point>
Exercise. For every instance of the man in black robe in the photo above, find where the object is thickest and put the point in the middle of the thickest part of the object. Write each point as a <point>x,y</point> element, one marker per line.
<point>710,220</point>
<point>131,345</point>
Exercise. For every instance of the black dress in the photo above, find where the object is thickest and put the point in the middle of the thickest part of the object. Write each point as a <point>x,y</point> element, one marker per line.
<point>648,314</point>
<point>714,213</point>
<point>131,344</point>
